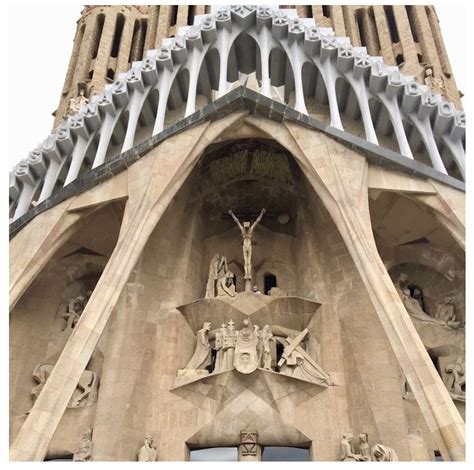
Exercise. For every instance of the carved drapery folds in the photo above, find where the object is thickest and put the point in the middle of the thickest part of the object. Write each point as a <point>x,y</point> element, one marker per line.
<point>252,347</point>
<point>361,451</point>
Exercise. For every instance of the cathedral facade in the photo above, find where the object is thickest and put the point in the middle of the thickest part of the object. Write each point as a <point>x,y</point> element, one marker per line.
<point>244,239</point>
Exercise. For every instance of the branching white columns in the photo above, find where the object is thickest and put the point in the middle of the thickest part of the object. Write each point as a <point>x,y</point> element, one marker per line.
<point>80,124</point>
<point>224,27</point>
<point>197,51</point>
<point>296,56</point>
<point>393,110</point>
<point>167,75</point>
<point>111,102</point>
<point>360,65</point>
<point>264,40</point>
<point>328,47</point>
<point>153,182</point>
<point>138,96</point>
<point>29,185</point>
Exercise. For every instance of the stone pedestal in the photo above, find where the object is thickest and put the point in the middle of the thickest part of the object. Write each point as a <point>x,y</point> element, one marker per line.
<point>248,284</point>
<point>246,457</point>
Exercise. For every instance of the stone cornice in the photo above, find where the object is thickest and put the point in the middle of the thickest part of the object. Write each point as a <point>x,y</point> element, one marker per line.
<point>188,61</point>
<point>240,98</point>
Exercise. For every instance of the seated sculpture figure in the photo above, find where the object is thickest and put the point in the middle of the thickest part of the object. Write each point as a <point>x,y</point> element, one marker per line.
<point>457,379</point>
<point>411,304</point>
<point>225,285</point>
<point>347,452</point>
<point>364,448</point>
<point>383,453</point>
<point>217,270</point>
<point>202,354</point>
<point>445,313</point>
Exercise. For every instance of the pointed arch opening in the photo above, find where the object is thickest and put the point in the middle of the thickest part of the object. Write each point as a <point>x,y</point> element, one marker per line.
<point>244,58</point>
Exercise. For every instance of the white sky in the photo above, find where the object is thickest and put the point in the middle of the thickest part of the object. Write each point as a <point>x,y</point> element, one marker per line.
<point>41,36</point>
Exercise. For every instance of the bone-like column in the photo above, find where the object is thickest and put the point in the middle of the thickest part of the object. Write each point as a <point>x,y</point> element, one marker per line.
<point>265,43</point>
<point>223,46</point>
<point>391,105</point>
<point>329,78</point>
<point>457,149</point>
<point>424,128</point>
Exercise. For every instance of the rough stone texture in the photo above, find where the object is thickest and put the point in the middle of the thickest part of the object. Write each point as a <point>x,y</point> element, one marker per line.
<point>154,269</point>
<point>342,19</point>
<point>136,234</point>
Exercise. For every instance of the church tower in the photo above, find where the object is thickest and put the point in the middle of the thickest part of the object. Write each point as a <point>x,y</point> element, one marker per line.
<point>244,239</point>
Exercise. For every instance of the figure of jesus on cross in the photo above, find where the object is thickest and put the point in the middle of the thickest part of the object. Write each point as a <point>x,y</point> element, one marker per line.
<point>247,231</point>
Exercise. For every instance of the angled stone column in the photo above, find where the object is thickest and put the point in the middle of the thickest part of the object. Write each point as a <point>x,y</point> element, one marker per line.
<point>34,246</point>
<point>340,180</point>
<point>153,182</point>
<point>339,177</point>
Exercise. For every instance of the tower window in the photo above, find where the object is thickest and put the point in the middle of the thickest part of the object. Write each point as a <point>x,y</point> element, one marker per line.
<point>411,20</point>
<point>392,25</point>
<point>309,11</point>
<point>110,75</point>
<point>191,13</point>
<point>269,281</point>
<point>399,59</point>
<point>360,24</point>
<point>119,24</point>
<point>173,15</point>
<point>326,11</point>
<point>420,58</point>
<point>98,34</point>
<point>437,456</point>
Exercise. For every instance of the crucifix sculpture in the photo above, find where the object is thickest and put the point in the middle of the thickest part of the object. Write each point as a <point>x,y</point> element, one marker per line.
<point>247,231</point>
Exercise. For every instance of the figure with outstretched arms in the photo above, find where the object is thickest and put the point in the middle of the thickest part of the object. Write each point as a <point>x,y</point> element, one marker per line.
<point>247,231</point>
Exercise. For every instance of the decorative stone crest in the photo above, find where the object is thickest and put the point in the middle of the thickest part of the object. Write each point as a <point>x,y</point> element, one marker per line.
<point>249,442</point>
<point>245,358</point>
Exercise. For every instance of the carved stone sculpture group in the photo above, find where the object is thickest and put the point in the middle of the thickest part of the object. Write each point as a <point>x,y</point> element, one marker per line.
<point>250,348</point>
<point>444,316</point>
<point>362,452</point>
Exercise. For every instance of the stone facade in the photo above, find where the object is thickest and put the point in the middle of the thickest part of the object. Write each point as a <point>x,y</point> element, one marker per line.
<point>109,37</point>
<point>121,334</point>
